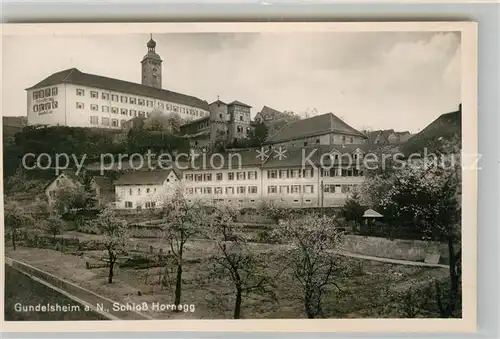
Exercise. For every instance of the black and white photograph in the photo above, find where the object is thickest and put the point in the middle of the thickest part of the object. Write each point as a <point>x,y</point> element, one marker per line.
<point>152,173</point>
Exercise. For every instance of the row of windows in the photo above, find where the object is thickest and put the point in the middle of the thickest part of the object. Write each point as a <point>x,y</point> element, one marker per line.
<point>45,106</point>
<point>290,174</point>
<point>222,190</point>
<point>94,120</point>
<point>290,189</point>
<point>143,102</point>
<point>339,188</point>
<point>147,204</point>
<point>44,93</point>
<point>248,175</point>
<point>341,172</point>
<point>114,110</point>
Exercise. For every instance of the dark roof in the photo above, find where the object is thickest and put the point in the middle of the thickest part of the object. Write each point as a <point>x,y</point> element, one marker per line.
<point>239,103</point>
<point>105,183</point>
<point>74,76</point>
<point>443,128</point>
<point>318,125</point>
<point>144,177</point>
<point>233,160</point>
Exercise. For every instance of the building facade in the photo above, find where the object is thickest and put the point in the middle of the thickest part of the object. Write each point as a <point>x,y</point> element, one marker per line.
<point>239,121</point>
<point>76,99</point>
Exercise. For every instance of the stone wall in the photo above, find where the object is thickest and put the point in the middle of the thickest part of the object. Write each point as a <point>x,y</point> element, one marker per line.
<point>413,250</point>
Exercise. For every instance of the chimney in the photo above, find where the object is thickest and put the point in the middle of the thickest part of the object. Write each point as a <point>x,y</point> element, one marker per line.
<point>460,107</point>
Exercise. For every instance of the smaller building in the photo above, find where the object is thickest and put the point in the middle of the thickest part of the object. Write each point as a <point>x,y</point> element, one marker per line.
<point>145,189</point>
<point>273,119</point>
<point>239,124</point>
<point>65,179</point>
<point>325,129</point>
<point>387,137</point>
<point>104,189</point>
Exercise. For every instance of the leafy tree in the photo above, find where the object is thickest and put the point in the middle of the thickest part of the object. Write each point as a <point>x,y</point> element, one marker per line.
<point>90,195</point>
<point>53,225</point>
<point>15,218</point>
<point>274,211</point>
<point>312,239</point>
<point>183,221</point>
<point>114,235</point>
<point>429,196</point>
<point>259,134</point>
<point>158,120</point>
<point>69,197</point>
<point>352,211</point>
<point>234,259</point>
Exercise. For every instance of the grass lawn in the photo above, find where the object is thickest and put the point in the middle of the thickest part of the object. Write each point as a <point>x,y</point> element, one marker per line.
<point>365,292</point>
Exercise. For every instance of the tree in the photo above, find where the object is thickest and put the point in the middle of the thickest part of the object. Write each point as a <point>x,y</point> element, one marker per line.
<point>114,235</point>
<point>70,197</point>
<point>273,210</point>
<point>352,211</point>
<point>158,120</point>
<point>259,134</point>
<point>15,219</point>
<point>234,259</point>
<point>89,190</point>
<point>312,239</point>
<point>183,221</point>
<point>429,197</point>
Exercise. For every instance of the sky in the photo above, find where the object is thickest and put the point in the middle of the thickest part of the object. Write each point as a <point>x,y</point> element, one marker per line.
<point>372,80</point>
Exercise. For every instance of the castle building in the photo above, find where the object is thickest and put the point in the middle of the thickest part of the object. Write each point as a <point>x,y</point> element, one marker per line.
<point>77,99</point>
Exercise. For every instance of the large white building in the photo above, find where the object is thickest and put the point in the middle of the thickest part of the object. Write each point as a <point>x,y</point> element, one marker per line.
<point>76,99</point>
<point>321,176</point>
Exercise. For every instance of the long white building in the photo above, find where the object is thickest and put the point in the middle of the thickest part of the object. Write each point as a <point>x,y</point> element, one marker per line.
<point>76,99</point>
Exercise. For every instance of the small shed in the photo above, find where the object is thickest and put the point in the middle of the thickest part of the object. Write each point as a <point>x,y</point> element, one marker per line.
<point>370,216</point>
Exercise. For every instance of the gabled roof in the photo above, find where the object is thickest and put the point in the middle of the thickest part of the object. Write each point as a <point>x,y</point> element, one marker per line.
<point>76,77</point>
<point>218,102</point>
<point>230,160</point>
<point>144,177</point>
<point>318,125</point>
<point>239,103</point>
<point>270,113</point>
<point>104,183</point>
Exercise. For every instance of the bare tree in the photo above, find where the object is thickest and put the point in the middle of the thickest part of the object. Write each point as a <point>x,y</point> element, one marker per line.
<point>114,235</point>
<point>235,259</point>
<point>311,241</point>
<point>183,221</point>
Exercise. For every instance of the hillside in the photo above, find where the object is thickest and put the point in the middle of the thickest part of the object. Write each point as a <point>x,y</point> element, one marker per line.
<point>443,128</point>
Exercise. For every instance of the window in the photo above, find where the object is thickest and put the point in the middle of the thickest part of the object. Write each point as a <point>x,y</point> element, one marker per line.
<point>343,138</point>
<point>54,104</point>
<point>94,120</point>
<point>124,99</point>
<point>308,189</point>
<point>218,190</point>
<point>229,190</point>
<point>241,117</point>
<point>252,175</point>
<point>132,100</point>
<point>252,189</point>
<point>218,176</point>
<point>41,94</point>
<point>240,175</point>
<point>148,190</point>
<point>271,189</point>
<point>189,190</point>
<point>105,96</point>
<point>141,114</point>
<point>94,107</point>
<point>80,92</point>
<point>138,191</point>
<point>105,109</point>
<point>35,95</point>
<point>94,94</point>
<point>207,177</point>
<point>140,102</point>
<point>79,105</point>
<point>48,106</point>
<point>198,177</point>
<point>240,189</point>
<point>105,121</point>
<point>35,108</point>
<point>305,143</point>
<point>207,190</point>
<point>128,204</point>
<point>133,113</point>
<point>283,174</point>
<point>230,176</point>
<point>123,122</point>
<point>189,177</point>
<point>295,189</point>
<point>351,140</point>
<point>114,122</point>
<point>161,105</point>
<point>54,90</point>
<point>114,97</point>
<point>114,110</point>
<point>124,111</point>
<point>271,174</point>
<point>284,189</point>
<point>149,103</point>
<point>317,141</point>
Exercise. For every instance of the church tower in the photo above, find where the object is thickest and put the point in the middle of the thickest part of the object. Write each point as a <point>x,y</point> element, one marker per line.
<point>151,66</point>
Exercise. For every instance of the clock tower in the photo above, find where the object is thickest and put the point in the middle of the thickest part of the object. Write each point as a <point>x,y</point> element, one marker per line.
<point>151,66</point>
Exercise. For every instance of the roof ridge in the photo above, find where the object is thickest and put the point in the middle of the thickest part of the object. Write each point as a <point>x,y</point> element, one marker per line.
<point>71,70</point>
